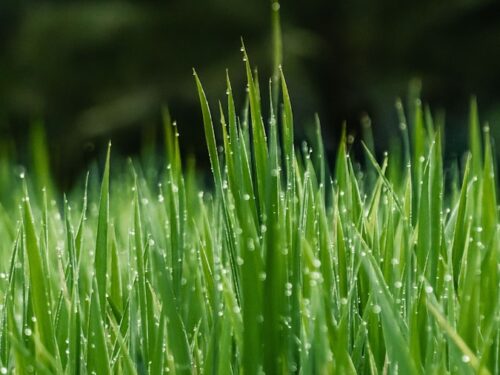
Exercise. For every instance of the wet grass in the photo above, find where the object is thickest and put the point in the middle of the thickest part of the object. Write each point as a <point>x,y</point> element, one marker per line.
<point>289,263</point>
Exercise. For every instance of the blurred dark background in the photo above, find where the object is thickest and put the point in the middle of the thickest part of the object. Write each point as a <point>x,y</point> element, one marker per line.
<point>93,71</point>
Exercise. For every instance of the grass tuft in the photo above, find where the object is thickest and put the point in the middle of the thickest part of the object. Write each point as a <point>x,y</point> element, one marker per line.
<point>284,266</point>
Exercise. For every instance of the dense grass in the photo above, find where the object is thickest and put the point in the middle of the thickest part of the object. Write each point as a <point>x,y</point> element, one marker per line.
<point>281,267</point>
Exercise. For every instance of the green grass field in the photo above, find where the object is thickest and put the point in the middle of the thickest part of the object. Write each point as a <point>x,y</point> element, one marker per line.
<point>287,263</point>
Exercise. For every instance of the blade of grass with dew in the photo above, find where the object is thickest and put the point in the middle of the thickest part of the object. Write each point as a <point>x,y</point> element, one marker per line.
<point>141,280</point>
<point>458,245</point>
<point>8,297</point>
<point>38,290</point>
<point>435,206</point>
<point>177,340</point>
<point>101,247</point>
<point>128,366</point>
<point>216,170</point>
<point>275,262</point>
<point>394,337</point>
<point>97,350</point>
<point>489,212</point>
<point>115,284</point>
<point>260,152</point>
<point>468,356</point>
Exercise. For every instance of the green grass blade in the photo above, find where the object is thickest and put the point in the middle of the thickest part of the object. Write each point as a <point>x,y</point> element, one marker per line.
<point>101,247</point>
<point>39,289</point>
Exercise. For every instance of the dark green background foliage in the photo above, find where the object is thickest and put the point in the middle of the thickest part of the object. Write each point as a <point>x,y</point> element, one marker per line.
<point>98,70</point>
